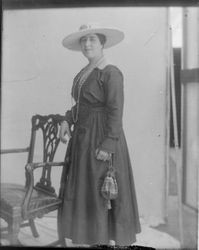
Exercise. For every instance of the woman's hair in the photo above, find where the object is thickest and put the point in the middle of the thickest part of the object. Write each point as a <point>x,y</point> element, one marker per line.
<point>102,38</point>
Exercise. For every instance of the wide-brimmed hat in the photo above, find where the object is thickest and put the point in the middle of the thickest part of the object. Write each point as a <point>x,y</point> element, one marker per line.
<point>113,36</point>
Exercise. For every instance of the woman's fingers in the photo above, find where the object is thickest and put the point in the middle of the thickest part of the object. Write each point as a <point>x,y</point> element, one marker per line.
<point>102,155</point>
<point>62,137</point>
<point>64,129</point>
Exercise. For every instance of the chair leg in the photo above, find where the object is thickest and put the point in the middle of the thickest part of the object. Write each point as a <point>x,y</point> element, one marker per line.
<point>33,228</point>
<point>13,231</point>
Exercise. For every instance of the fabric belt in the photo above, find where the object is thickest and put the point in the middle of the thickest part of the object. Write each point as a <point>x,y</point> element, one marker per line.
<point>93,107</point>
<point>86,110</point>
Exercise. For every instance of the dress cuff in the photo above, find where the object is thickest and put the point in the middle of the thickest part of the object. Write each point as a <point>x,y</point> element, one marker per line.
<point>108,145</point>
<point>68,117</point>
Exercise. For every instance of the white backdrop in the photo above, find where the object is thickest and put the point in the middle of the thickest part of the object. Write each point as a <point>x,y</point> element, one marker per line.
<point>37,73</point>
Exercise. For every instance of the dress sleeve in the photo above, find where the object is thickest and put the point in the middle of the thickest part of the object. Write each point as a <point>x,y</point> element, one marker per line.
<point>68,116</point>
<point>113,87</point>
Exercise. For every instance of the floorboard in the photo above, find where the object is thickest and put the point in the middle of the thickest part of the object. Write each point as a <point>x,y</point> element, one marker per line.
<point>46,226</point>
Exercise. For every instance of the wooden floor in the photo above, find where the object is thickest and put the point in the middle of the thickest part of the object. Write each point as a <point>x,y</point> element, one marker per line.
<point>47,230</point>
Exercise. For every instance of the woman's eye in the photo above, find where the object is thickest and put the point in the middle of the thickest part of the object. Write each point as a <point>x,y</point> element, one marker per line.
<point>90,39</point>
<point>83,40</point>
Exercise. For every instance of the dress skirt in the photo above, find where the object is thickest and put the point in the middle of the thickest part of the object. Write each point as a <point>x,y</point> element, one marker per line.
<point>84,217</point>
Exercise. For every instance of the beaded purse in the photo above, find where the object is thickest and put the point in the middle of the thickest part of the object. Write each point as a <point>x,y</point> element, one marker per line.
<point>109,188</point>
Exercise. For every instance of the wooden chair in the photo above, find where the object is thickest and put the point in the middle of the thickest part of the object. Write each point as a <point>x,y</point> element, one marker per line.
<point>24,203</point>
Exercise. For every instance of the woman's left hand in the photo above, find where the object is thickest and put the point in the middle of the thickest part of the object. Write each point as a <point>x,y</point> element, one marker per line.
<point>102,155</point>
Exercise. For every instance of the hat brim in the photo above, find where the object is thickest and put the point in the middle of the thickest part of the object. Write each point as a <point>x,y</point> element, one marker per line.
<point>113,37</point>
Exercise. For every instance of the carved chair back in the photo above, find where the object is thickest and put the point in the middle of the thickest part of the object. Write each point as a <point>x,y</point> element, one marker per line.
<point>49,126</point>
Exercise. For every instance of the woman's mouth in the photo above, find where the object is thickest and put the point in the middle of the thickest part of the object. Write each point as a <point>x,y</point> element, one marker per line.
<point>88,50</point>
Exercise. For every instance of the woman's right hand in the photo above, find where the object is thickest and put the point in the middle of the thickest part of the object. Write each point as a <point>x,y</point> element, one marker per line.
<point>64,129</point>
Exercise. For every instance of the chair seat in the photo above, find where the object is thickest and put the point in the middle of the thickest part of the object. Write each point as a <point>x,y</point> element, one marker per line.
<point>12,196</point>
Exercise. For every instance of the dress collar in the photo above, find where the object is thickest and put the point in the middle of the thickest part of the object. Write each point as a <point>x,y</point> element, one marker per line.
<point>103,63</point>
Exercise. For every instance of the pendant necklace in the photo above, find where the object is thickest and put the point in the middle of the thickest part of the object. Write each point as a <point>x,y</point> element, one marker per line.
<point>80,81</point>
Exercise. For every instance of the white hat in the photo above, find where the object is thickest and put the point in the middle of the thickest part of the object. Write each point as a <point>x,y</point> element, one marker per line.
<point>113,36</point>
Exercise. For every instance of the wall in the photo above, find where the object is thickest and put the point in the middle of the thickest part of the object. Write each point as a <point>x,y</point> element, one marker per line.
<point>37,75</point>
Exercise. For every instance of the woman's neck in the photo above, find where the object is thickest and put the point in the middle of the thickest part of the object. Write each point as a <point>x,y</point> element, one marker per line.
<point>95,60</point>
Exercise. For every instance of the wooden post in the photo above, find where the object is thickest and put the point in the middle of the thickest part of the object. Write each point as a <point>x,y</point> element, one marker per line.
<point>190,105</point>
<point>177,153</point>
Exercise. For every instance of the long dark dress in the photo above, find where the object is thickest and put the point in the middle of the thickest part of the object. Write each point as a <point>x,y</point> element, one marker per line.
<point>84,216</point>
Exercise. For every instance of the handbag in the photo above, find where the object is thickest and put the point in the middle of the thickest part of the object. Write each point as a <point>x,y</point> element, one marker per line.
<point>109,189</point>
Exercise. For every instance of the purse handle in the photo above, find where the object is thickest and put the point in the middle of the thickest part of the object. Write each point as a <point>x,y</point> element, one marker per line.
<point>111,168</point>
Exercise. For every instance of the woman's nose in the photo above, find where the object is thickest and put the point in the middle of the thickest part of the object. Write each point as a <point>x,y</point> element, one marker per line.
<point>87,42</point>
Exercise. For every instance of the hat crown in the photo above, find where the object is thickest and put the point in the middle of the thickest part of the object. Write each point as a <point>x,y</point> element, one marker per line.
<point>88,26</point>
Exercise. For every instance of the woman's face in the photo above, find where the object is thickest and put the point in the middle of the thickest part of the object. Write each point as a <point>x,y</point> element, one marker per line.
<point>91,46</point>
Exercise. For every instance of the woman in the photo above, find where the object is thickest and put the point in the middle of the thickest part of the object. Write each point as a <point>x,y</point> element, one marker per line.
<point>97,137</point>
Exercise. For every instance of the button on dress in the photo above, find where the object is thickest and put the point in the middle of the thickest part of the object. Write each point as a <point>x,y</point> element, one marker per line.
<point>84,215</point>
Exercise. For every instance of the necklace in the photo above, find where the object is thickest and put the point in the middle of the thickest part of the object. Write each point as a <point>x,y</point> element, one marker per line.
<point>80,81</point>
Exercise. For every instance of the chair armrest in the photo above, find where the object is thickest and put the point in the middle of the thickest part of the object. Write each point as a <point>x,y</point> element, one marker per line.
<point>30,167</point>
<point>35,165</point>
<point>14,150</point>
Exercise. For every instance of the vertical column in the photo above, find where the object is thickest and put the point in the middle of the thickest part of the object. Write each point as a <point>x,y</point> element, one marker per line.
<point>190,105</point>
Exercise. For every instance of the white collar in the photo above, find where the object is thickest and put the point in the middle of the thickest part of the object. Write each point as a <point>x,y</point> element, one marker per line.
<point>103,63</point>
